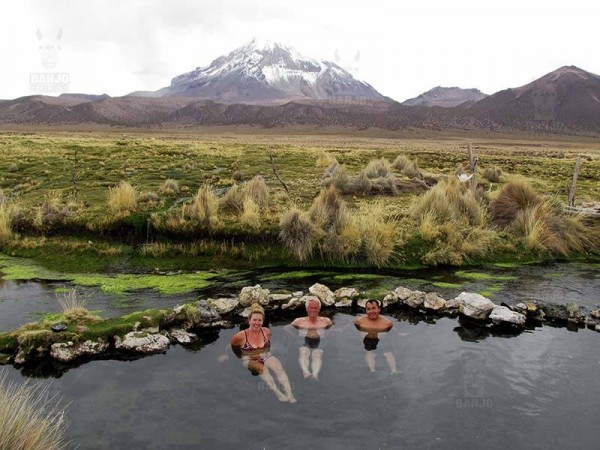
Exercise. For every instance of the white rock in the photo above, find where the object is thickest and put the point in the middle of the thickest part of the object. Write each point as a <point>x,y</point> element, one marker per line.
<point>362,302</point>
<point>501,314</point>
<point>139,342</point>
<point>294,303</point>
<point>254,294</point>
<point>279,297</point>
<point>595,314</point>
<point>346,292</point>
<point>415,299</point>
<point>344,303</point>
<point>182,337</point>
<point>434,301</point>
<point>453,304</point>
<point>68,351</point>
<point>223,305</point>
<point>475,306</point>
<point>246,312</point>
<point>390,299</point>
<point>324,293</point>
<point>297,294</point>
<point>402,293</point>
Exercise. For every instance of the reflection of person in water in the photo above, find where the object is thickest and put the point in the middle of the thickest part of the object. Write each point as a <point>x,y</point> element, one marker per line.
<point>311,327</point>
<point>372,324</point>
<point>253,346</point>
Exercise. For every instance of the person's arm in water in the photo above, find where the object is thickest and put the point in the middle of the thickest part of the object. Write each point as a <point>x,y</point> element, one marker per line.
<point>237,340</point>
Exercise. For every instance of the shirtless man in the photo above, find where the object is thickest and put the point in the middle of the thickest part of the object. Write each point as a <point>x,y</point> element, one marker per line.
<point>311,326</point>
<point>372,324</point>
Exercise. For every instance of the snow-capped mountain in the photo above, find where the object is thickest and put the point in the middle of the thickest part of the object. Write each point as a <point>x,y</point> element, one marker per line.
<point>267,72</point>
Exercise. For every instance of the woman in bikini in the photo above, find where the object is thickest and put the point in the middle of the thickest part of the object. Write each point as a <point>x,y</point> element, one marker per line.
<point>253,346</point>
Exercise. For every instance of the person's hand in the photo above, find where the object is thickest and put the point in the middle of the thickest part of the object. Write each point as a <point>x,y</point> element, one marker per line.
<point>224,357</point>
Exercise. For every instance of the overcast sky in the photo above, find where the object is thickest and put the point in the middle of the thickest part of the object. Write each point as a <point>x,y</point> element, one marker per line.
<point>119,46</point>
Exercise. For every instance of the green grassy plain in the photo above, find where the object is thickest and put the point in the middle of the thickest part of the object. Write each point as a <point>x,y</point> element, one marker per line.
<point>78,167</point>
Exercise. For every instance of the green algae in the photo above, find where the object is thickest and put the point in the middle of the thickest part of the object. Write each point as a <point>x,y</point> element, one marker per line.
<point>165,284</point>
<point>478,276</point>
<point>445,285</point>
<point>491,290</point>
<point>294,275</point>
<point>178,283</point>
<point>358,276</point>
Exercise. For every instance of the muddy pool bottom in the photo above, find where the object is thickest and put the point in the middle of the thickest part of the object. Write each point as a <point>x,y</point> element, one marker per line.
<point>538,389</point>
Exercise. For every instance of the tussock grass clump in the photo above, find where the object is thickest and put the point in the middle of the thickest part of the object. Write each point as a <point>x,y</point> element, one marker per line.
<point>74,309</point>
<point>258,191</point>
<point>251,214</point>
<point>325,159</point>
<point>328,211</point>
<point>378,168</point>
<point>148,197</point>
<point>205,207</point>
<point>30,418</point>
<point>378,233</point>
<point>297,233</point>
<point>545,228</point>
<point>3,198</point>
<point>492,174</point>
<point>400,162</point>
<point>233,200</point>
<point>54,212</point>
<point>336,175</point>
<point>411,170</point>
<point>7,214</point>
<point>453,221</point>
<point>515,197</point>
<point>122,198</point>
<point>449,201</point>
<point>170,187</point>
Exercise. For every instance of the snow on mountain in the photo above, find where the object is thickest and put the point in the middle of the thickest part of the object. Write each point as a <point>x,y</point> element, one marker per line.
<point>267,71</point>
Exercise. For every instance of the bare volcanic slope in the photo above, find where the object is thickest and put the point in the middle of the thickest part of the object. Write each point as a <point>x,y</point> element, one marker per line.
<point>446,97</point>
<point>567,99</point>
<point>263,72</point>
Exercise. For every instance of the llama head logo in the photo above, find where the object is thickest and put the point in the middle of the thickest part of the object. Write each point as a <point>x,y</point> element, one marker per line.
<point>49,47</point>
<point>349,61</point>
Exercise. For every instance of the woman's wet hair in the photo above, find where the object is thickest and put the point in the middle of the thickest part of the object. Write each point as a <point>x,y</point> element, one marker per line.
<point>312,299</point>
<point>256,309</point>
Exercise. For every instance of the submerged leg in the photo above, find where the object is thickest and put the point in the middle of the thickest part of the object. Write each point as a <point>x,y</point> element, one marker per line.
<point>370,358</point>
<point>303,355</point>
<point>317,362</point>
<point>269,381</point>
<point>391,361</point>
<point>273,364</point>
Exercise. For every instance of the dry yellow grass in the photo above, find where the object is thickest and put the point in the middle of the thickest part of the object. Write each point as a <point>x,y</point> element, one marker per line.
<point>251,215</point>
<point>30,419</point>
<point>122,198</point>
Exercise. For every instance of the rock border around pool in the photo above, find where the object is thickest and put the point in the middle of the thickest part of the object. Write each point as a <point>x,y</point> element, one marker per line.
<point>153,331</point>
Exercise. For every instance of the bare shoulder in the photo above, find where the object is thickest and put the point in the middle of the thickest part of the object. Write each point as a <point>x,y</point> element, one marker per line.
<point>267,332</point>
<point>387,322</point>
<point>237,339</point>
<point>297,322</point>
<point>359,320</point>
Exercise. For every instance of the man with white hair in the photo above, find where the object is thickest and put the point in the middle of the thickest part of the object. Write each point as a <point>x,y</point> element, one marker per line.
<point>311,327</point>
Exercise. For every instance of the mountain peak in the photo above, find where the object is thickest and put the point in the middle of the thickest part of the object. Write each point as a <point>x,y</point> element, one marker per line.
<point>265,71</point>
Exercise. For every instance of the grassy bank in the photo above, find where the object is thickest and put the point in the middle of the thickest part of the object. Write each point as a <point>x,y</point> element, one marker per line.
<point>101,202</point>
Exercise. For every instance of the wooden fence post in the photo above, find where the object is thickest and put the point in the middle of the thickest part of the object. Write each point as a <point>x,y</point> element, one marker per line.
<point>574,183</point>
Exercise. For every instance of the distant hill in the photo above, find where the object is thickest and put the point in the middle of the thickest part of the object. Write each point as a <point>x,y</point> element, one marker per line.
<point>446,97</point>
<point>563,101</point>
